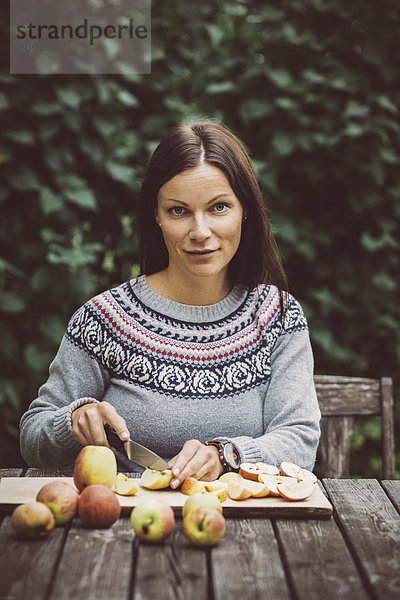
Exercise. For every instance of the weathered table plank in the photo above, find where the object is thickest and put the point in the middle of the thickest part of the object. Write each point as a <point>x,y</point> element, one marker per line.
<point>95,563</point>
<point>371,525</point>
<point>392,488</point>
<point>318,562</point>
<point>27,566</point>
<point>171,570</point>
<point>11,472</point>
<point>247,563</point>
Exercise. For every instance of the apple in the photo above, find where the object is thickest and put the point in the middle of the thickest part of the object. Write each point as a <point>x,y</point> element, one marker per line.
<point>95,464</point>
<point>257,489</point>
<point>61,498</point>
<point>267,469</point>
<point>152,520</point>
<point>33,520</point>
<point>253,470</point>
<point>238,491</point>
<point>249,471</point>
<point>203,500</point>
<point>156,480</point>
<point>98,506</point>
<point>125,486</point>
<point>226,477</point>
<point>290,469</point>
<point>272,482</point>
<point>221,493</point>
<point>191,485</point>
<point>204,526</point>
<point>212,486</point>
<point>296,490</point>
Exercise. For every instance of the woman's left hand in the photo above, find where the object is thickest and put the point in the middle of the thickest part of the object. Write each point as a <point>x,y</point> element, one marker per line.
<point>195,460</point>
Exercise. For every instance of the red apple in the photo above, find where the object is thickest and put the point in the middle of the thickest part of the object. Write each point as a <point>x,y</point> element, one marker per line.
<point>98,506</point>
<point>33,520</point>
<point>204,526</point>
<point>61,498</point>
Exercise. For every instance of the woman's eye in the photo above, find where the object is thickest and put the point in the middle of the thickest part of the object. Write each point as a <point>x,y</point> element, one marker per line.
<point>176,211</point>
<point>220,207</point>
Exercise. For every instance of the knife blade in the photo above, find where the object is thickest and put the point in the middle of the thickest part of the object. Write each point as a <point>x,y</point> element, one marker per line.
<point>136,452</point>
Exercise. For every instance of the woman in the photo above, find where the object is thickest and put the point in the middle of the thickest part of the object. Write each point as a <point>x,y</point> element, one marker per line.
<point>204,346</point>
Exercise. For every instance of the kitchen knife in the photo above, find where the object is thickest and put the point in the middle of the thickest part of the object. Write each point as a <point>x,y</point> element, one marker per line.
<point>136,452</point>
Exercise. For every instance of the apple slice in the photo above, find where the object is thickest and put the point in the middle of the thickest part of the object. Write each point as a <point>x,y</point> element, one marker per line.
<point>271,481</point>
<point>296,490</point>
<point>155,480</point>
<point>191,485</point>
<point>226,477</point>
<point>257,489</point>
<point>221,493</point>
<point>125,486</point>
<point>249,471</point>
<point>238,490</point>
<point>290,469</point>
<point>267,469</point>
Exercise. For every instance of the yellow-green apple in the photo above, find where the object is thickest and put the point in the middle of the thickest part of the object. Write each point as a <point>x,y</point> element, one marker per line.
<point>204,526</point>
<point>156,480</point>
<point>61,498</point>
<point>296,490</point>
<point>125,486</point>
<point>98,506</point>
<point>203,500</point>
<point>238,491</point>
<point>152,520</point>
<point>95,464</point>
<point>191,485</point>
<point>33,520</point>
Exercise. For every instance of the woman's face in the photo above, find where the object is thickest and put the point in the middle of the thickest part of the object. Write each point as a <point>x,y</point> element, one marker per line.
<point>201,221</point>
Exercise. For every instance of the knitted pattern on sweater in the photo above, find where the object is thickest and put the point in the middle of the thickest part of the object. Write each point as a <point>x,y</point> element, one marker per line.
<point>186,359</point>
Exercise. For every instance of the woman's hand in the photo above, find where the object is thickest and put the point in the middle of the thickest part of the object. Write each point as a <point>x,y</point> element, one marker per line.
<point>88,424</point>
<point>195,460</point>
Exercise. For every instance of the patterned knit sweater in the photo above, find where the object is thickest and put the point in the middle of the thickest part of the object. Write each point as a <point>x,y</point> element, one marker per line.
<point>175,372</point>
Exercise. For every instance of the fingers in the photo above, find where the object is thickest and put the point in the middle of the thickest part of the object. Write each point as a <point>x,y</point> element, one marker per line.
<point>88,424</point>
<point>195,460</point>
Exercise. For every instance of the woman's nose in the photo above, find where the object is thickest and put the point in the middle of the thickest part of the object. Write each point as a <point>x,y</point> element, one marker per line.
<point>200,228</point>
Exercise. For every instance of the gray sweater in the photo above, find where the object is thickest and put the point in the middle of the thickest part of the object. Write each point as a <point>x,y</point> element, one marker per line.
<point>230,370</point>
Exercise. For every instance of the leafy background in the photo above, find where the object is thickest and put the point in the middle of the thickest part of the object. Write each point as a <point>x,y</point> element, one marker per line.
<point>311,86</point>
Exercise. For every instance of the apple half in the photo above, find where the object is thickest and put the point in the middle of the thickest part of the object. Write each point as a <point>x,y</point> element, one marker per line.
<point>156,480</point>
<point>296,490</point>
<point>238,490</point>
<point>253,470</point>
<point>290,469</point>
<point>125,486</point>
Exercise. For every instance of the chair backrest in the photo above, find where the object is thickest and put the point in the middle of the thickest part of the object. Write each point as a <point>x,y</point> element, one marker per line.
<point>340,400</point>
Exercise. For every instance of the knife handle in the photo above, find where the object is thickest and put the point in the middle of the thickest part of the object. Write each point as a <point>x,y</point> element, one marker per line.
<point>114,440</point>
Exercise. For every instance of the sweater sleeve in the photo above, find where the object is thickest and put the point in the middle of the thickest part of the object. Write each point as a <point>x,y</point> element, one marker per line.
<point>75,378</point>
<point>291,410</point>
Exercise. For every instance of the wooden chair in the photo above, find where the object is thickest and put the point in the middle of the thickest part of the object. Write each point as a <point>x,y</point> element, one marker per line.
<point>340,400</point>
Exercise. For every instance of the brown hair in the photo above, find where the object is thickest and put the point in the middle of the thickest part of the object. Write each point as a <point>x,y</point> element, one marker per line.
<point>185,147</point>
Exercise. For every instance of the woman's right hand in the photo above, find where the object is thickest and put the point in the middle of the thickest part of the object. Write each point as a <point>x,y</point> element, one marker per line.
<point>88,424</point>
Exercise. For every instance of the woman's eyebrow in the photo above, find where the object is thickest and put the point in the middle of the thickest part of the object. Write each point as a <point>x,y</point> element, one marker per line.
<point>209,202</point>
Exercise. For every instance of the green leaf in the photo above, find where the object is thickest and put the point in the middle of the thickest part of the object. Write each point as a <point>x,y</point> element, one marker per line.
<point>355,109</point>
<point>44,108</point>
<point>220,87</point>
<point>119,172</point>
<point>69,97</point>
<point>49,201</point>
<point>127,99</point>
<point>11,303</point>
<point>35,358</point>
<point>283,144</point>
<point>21,136</point>
<point>24,179</point>
<point>84,198</point>
<point>4,102</point>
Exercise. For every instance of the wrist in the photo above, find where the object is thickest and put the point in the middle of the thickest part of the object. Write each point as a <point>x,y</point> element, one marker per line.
<point>227,454</point>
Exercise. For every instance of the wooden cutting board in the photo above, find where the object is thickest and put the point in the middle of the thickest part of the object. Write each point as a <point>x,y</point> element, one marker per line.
<point>18,490</point>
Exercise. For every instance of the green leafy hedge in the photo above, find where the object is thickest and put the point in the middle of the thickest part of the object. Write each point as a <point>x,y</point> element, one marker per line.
<point>310,86</point>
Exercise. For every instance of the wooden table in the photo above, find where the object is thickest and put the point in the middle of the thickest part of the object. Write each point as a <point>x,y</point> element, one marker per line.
<point>355,554</point>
